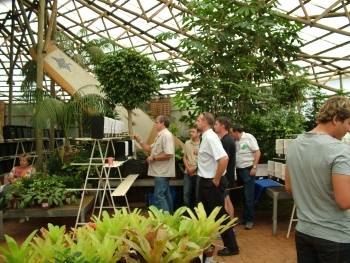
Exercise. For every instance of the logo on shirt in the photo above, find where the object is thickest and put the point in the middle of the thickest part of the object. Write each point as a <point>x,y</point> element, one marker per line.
<point>244,146</point>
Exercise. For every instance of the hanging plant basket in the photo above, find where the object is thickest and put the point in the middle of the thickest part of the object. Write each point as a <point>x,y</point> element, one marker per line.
<point>160,107</point>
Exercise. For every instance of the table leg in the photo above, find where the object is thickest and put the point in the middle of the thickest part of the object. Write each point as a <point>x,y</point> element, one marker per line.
<point>274,216</point>
<point>82,216</point>
<point>1,228</point>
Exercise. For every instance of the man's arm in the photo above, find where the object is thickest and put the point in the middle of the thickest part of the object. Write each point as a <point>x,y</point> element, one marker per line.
<point>222,164</point>
<point>341,187</point>
<point>287,183</point>
<point>144,146</point>
<point>257,155</point>
<point>159,157</point>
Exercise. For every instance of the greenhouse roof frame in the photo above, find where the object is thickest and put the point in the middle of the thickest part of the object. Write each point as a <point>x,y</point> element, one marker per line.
<point>135,23</point>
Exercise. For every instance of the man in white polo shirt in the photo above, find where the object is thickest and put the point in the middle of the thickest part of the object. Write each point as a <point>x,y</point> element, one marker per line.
<point>212,163</point>
<point>247,159</point>
<point>161,162</point>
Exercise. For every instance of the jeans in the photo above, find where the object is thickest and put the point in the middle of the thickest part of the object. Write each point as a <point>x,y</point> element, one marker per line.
<point>248,183</point>
<point>190,183</point>
<point>162,195</point>
<point>317,250</point>
<point>212,196</point>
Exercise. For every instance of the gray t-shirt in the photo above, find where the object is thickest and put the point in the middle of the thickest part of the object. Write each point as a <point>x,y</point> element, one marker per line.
<point>312,158</point>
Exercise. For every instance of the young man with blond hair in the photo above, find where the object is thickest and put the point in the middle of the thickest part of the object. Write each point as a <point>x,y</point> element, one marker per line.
<point>318,176</point>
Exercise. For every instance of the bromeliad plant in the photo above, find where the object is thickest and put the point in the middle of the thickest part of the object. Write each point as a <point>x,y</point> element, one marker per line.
<point>157,238</point>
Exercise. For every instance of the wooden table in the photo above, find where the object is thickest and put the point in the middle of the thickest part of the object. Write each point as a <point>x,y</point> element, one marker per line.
<point>277,193</point>
<point>64,211</point>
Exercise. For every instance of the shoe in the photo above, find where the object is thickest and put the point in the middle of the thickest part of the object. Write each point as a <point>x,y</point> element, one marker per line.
<point>22,220</point>
<point>241,222</point>
<point>249,226</point>
<point>226,252</point>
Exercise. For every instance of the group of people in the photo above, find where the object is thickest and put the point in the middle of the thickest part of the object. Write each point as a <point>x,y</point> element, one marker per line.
<point>317,174</point>
<point>210,158</point>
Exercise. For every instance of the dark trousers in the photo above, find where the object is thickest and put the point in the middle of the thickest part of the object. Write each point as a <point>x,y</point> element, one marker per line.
<point>211,196</point>
<point>317,250</point>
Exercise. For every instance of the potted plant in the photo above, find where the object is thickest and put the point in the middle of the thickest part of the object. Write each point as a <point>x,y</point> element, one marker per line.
<point>209,253</point>
<point>48,190</point>
<point>13,196</point>
<point>129,237</point>
<point>72,182</point>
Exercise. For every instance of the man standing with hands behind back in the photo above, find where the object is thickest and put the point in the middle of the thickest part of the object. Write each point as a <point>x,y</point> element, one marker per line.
<point>161,162</point>
<point>212,163</point>
<point>190,152</point>
<point>247,159</point>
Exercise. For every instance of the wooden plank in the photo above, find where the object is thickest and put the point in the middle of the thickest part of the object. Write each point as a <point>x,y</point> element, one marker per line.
<point>125,185</point>
<point>148,182</point>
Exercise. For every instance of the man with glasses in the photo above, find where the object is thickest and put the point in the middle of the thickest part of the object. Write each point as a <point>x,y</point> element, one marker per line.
<point>161,162</point>
<point>212,163</point>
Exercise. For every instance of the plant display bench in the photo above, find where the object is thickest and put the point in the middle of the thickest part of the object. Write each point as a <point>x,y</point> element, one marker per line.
<point>64,211</point>
<point>277,193</point>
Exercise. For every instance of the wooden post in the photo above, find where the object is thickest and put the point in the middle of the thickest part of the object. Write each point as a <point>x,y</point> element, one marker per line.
<point>2,118</point>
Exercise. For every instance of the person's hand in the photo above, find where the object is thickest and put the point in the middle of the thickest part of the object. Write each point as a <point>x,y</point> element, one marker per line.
<point>149,159</point>
<point>253,172</point>
<point>137,137</point>
<point>191,170</point>
<point>216,182</point>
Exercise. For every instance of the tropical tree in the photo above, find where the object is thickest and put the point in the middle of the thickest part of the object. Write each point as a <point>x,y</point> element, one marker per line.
<point>236,48</point>
<point>241,53</point>
<point>67,114</point>
<point>128,78</point>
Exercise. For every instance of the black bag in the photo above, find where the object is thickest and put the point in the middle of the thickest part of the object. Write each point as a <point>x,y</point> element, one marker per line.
<point>133,166</point>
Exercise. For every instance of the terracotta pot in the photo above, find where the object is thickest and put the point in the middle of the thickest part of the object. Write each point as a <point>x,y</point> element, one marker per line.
<point>209,254</point>
<point>45,204</point>
<point>67,200</point>
<point>14,203</point>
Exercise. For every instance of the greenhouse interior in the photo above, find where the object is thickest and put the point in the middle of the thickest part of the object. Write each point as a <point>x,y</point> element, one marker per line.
<point>104,107</point>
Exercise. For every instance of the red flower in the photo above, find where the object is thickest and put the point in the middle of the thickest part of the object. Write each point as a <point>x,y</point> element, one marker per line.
<point>92,225</point>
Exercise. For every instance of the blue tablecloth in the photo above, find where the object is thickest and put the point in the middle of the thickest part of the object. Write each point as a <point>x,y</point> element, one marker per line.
<point>260,186</point>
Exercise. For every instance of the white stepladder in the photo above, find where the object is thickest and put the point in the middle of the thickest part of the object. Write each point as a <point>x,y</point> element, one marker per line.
<point>104,190</point>
<point>292,219</point>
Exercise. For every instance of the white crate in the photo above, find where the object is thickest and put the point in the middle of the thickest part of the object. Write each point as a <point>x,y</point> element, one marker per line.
<point>278,170</point>
<point>270,168</point>
<point>286,144</point>
<point>279,146</point>
<point>283,174</point>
